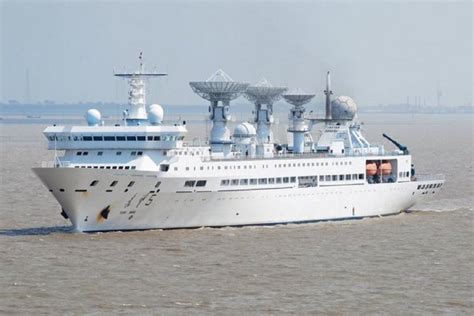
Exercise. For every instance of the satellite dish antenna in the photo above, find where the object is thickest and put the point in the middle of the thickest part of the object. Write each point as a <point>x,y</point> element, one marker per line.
<point>264,95</point>
<point>298,98</point>
<point>219,88</point>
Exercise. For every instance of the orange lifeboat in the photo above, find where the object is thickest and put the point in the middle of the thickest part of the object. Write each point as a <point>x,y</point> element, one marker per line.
<point>371,168</point>
<point>385,168</point>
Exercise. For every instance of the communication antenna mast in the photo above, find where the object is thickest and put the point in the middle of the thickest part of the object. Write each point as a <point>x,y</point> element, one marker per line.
<point>219,88</point>
<point>264,95</point>
<point>137,94</point>
<point>328,93</point>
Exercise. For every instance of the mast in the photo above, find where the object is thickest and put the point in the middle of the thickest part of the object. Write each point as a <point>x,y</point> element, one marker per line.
<point>328,93</point>
<point>137,94</point>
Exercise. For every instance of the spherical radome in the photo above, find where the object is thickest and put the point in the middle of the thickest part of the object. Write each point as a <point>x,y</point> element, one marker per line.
<point>343,108</point>
<point>244,130</point>
<point>155,114</point>
<point>93,117</point>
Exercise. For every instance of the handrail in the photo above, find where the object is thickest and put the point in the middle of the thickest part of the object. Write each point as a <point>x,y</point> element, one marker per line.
<point>55,164</point>
<point>301,156</point>
<point>429,177</point>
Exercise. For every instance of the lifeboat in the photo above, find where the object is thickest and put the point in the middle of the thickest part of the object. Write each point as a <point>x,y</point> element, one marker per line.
<point>371,168</point>
<point>385,168</point>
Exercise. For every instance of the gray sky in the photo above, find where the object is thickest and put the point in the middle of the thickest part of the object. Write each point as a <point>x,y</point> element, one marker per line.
<point>378,52</point>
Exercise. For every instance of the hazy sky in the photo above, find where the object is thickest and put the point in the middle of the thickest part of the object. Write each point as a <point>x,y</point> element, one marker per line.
<point>378,52</point>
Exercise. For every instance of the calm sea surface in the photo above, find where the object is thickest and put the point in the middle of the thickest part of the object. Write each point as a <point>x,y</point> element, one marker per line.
<point>415,263</point>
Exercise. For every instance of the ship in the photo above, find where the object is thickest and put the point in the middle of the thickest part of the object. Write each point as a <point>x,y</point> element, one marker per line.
<point>144,173</point>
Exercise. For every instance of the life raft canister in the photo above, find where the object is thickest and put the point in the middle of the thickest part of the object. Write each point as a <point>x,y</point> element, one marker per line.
<point>385,168</point>
<point>371,168</point>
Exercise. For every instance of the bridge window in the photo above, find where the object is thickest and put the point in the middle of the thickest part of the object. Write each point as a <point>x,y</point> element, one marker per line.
<point>141,138</point>
<point>244,181</point>
<point>163,167</point>
<point>149,138</point>
<point>293,179</point>
<point>225,182</point>
<point>87,138</point>
<point>286,180</point>
<point>118,153</point>
<point>100,153</point>
<point>120,138</point>
<point>139,153</point>
<point>157,138</point>
<point>133,153</point>
<point>109,138</point>
<point>253,181</point>
<point>98,138</point>
<point>201,183</point>
<point>131,138</point>
<point>189,183</point>
<point>85,153</point>
<point>79,153</point>
<point>234,182</point>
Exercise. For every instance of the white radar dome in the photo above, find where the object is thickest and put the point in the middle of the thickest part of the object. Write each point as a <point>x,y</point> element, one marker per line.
<point>155,114</point>
<point>244,130</point>
<point>93,117</point>
<point>343,108</point>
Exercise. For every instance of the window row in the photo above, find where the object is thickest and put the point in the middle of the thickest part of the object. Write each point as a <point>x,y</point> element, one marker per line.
<point>313,164</point>
<point>193,183</point>
<point>429,186</point>
<point>258,181</point>
<point>289,165</point>
<point>108,167</point>
<point>404,174</point>
<point>342,177</point>
<point>165,138</point>
<point>101,153</point>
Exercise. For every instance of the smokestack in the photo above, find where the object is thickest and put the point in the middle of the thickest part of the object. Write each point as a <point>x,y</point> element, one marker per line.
<point>328,93</point>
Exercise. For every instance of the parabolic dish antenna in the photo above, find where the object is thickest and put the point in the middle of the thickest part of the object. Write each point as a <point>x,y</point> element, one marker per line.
<point>264,92</point>
<point>218,87</point>
<point>298,97</point>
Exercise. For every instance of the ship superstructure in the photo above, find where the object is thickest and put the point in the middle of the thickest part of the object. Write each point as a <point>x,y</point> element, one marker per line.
<point>143,174</point>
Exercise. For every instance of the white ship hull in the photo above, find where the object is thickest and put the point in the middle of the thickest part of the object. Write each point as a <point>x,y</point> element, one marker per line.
<point>145,206</point>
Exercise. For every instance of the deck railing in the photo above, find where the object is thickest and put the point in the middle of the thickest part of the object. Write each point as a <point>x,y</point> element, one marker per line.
<point>429,177</point>
<point>57,163</point>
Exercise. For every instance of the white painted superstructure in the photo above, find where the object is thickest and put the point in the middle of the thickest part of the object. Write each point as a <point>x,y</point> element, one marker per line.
<point>143,174</point>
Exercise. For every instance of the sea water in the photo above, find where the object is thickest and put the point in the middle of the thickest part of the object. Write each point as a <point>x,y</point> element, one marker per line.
<point>419,262</point>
